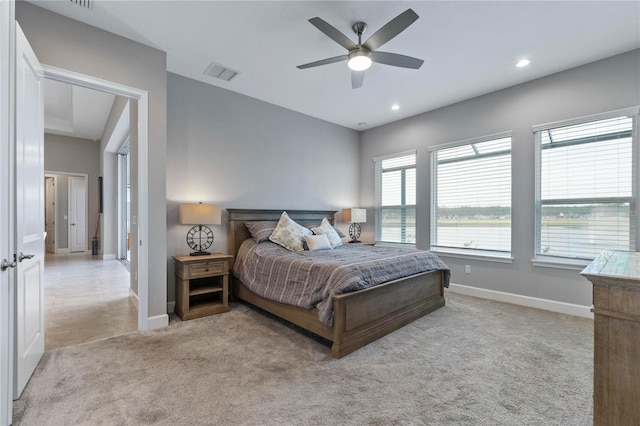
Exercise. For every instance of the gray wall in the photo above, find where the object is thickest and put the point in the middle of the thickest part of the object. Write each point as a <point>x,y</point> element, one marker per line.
<point>71,45</point>
<point>601,86</point>
<point>70,156</point>
<point>239,152</point>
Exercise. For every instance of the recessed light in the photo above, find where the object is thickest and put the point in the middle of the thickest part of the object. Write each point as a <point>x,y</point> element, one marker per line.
<point>395,107</point>
<point>523,63</point>
<point>362,124</point>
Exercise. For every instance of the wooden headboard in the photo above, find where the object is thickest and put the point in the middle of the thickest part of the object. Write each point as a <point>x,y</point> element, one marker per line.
<point>238,232</point>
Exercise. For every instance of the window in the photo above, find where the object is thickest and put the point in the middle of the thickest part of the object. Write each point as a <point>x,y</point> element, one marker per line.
<point>585,188</point>
<point>471,196</point>
<point>396,198</point>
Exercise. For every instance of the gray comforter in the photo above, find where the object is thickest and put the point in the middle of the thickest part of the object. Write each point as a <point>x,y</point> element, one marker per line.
<point>310,278</point>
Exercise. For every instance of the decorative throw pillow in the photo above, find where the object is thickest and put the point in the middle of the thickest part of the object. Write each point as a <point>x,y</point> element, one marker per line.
<point>328,230</point>
<point>339,232</point>
<point>261,229</point>
<point>289,234</point>
<point>317,242</point>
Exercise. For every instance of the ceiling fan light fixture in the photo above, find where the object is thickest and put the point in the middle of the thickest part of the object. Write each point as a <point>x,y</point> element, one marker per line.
<point>359,60</point>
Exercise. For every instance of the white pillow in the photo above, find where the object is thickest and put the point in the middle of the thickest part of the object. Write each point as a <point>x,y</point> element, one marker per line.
<point>325,228</point>
<point>289,234</point>
<point>317,242</point>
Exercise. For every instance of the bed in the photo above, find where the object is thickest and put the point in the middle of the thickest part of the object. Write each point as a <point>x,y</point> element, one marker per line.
<point>359,317</point>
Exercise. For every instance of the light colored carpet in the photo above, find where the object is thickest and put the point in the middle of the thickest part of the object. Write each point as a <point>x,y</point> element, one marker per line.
<point>473,362</point>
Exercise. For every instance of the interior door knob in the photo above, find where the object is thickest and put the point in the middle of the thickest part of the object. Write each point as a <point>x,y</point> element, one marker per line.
<point>22,257</point>
<point>6,264</point>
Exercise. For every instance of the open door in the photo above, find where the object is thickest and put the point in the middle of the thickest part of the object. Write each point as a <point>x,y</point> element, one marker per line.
<point>29,182</point>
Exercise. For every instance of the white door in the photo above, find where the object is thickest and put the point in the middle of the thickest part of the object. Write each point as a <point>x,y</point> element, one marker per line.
<point>50,213</point>
<point>77,214</point>
<point>29,320</point>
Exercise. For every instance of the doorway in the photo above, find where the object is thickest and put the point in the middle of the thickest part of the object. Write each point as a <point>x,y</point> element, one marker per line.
<point>140,257</point>
<point>86,296</point>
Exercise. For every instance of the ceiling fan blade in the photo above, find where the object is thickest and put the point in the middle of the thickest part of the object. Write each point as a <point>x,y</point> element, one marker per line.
<point>391,29</point>
<point>324,62</point>
<point>357,78</point>
<point>333,33</point>
<point>396,60</point>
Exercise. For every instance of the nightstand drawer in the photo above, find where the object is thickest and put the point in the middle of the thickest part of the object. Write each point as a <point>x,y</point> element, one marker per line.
<point>206,269</point>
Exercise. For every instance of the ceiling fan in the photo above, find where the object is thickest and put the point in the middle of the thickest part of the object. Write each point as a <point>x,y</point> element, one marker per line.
<point>361,55</point>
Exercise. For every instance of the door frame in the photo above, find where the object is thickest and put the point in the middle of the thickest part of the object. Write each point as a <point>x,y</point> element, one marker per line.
<point>85,178</point>
<point>49,175</point>
<point>7,205</point>
<point>142,96</point>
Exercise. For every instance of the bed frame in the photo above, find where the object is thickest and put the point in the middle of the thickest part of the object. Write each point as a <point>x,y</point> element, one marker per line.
<point>360,317</point>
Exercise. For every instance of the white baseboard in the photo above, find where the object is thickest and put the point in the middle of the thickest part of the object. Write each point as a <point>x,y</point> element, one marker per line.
<point>110,256</point>
<point>517,299</point>
<point>171,306</point>
<point>63,251</point>
<point>133,296</point>
<point>158,321</point>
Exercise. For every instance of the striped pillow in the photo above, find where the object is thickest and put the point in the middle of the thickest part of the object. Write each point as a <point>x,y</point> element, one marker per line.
<point>261,230</point>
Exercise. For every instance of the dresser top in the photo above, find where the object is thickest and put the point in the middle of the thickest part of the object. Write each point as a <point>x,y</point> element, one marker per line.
<point>614,263</point>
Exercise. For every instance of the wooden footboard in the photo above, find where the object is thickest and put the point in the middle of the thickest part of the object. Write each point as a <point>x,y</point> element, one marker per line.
<point>364,316</point>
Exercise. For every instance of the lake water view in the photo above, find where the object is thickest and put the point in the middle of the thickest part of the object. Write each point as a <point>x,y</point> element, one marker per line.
<point>556,240</point>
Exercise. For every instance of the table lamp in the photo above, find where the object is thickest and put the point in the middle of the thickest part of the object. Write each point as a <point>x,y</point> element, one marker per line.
<point>200,236</point>
<point>355,217</point>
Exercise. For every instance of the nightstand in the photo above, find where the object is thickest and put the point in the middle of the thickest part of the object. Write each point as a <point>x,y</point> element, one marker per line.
<point>202,285</point>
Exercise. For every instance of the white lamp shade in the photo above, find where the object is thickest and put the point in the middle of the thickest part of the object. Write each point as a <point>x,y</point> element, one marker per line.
<point>354,215</point>
<point>200,214</point>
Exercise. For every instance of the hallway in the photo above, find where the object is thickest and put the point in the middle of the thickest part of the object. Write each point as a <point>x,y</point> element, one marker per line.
<point>86,298</point>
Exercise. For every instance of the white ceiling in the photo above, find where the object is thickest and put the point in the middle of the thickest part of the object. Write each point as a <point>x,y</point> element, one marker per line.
<point>75,111</point>
<point>469,47</point>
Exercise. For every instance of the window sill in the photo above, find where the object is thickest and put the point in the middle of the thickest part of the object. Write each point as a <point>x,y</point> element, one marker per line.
<point>389,244</point>
<point>487,256</point>
<point>560,263</point>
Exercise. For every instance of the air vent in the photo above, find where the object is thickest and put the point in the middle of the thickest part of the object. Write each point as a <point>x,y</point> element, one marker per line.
<point>220,71</point>
<point>87,4</point>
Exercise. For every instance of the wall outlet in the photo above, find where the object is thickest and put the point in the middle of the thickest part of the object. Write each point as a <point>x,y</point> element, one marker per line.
<point>467,269</point>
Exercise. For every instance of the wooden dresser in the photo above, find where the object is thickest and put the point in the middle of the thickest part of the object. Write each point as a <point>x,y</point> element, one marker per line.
<point>616,306</point>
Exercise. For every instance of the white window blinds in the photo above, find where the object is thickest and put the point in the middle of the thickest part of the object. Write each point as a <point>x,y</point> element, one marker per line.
<point>585,188</point>
<point>396,198</point>
<point>471,196</point>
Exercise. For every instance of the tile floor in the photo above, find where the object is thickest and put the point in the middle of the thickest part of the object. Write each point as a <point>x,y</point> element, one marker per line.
<point>86,298</point>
